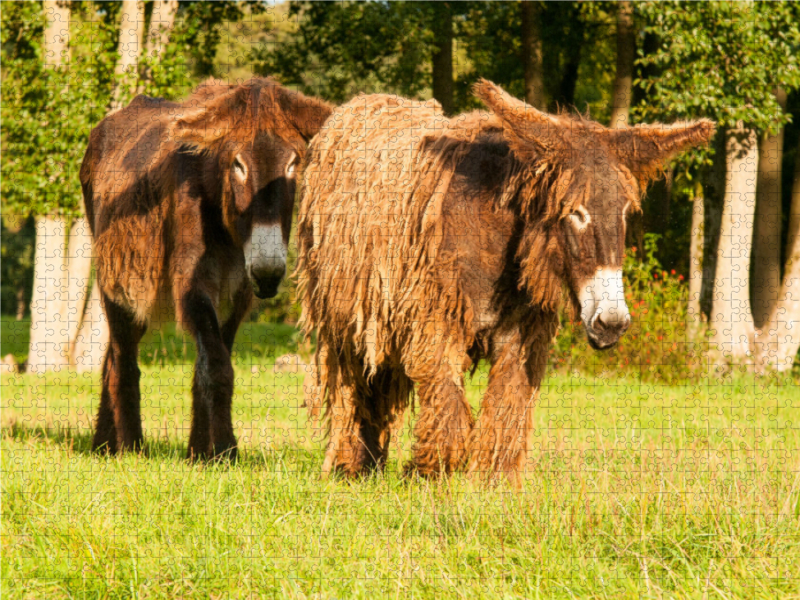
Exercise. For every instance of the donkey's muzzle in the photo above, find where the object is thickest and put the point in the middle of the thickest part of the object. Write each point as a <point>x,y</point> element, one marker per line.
<point>266,287</point>
<point>603,309</point>
<point>265,284</point>
<point>605,333</point>
<point>265,259</point>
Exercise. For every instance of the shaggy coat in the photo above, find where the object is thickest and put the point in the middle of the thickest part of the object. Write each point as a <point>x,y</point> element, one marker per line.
<point>428,243</point>
<point>190,206</point>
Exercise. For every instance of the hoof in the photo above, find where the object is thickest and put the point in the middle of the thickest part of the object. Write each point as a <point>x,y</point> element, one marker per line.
<point>226,452</point>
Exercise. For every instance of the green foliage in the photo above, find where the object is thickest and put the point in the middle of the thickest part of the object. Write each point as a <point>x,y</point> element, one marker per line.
<point>339,49</point>
<point>16,264</point>
<point>336,50</point>
<point>47,113</point>
<point>720,60</point>
<point>199,30</point>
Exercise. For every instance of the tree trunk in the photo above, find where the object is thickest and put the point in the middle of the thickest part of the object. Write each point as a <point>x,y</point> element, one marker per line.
<point>49,345</point>
<point>92,340</point>
<point>162,20</point>
<point>657,205</point>
<point>532,54</point>
<point>572,60</point>
<point>56,33</point>
<point>697,243</point>
<point>779,340</point>
<point>79,270</point>
<point>713,203</point>
<point>90,344</point>
<point>443,55</point>
<point>626,52</point>
<point>732,317</point>
<point>131,30</point>
<point>766,267</point>
<point>21,298</point>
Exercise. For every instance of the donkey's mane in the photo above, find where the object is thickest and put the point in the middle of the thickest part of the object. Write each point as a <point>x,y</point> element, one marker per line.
<point>258,105</point>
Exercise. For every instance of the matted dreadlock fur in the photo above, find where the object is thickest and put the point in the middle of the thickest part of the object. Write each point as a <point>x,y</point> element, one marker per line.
<point>427,243</point>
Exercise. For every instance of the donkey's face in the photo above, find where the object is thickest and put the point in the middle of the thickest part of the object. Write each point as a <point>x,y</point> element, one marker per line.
<point>255,131</point>
<point>261,177</point>
<point>593,246</point>
<point>595,176</point>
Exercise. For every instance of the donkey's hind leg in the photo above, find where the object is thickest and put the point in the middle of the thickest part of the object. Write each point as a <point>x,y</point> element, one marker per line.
<point>360,413</point>
<point>385,398</point>
<point>338,387</point>
<point>119,421</point>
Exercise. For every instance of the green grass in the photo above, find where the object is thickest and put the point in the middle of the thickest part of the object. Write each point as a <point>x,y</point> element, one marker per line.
<point>632,491</point>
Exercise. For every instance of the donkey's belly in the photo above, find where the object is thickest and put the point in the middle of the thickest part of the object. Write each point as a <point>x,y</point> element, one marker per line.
<point>130,264</point>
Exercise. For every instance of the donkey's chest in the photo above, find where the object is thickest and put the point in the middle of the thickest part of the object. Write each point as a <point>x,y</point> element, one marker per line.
<point>476,238</point>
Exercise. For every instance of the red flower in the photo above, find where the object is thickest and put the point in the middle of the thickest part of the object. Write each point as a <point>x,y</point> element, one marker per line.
<point>672,272</point>
<point>680,277</point>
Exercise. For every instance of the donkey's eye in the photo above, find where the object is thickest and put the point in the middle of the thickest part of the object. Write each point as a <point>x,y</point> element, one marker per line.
<point>580,218</point>
<point>291,167</point>
<point>239,168</point>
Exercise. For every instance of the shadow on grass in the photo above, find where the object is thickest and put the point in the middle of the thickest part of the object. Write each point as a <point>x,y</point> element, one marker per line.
<point>79,441</point>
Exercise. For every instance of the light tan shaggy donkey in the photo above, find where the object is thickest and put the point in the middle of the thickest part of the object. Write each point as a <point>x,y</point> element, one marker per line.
<point>428,243</point>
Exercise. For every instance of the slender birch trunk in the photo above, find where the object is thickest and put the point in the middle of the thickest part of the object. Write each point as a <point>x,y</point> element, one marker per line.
<point>779,339</point>
<point>696,245</point>
<point>79,272</point>
<point>731,313</point>
<point>49,345</point>
<point>443,56</point>
<point>131,32</point>
<point>162,20</point>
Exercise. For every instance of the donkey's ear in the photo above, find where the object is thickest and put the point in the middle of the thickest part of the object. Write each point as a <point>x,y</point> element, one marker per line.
<point>524,125</point>
<point>645,149</point>
<point>306,115</point>
<point>214,115</point>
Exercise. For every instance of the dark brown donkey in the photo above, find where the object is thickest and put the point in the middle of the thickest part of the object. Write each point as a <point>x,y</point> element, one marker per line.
<point>427,244</point>
<point>190,205</point>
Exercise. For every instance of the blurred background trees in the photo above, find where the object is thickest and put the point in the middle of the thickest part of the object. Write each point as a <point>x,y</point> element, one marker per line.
<point>725,219</point>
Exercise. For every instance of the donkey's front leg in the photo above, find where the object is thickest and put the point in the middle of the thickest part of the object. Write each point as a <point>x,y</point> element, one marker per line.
<point>499,444</point>
<point>242,300</point>
<point>445,418</point>
<point>212,388</point>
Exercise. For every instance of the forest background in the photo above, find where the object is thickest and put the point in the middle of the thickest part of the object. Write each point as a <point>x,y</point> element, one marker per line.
<point>713,268</point>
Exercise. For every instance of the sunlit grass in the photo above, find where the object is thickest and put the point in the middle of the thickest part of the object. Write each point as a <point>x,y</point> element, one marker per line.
<point>632,491</point>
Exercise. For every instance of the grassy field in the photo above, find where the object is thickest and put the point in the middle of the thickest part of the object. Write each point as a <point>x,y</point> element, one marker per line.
<point>633,491</point>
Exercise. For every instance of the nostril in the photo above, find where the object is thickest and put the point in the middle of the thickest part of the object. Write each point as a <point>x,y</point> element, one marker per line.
<point>611,320</point>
